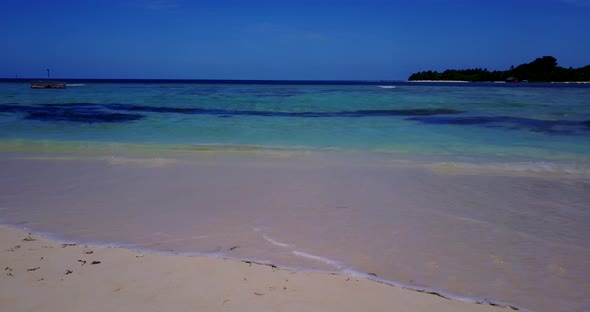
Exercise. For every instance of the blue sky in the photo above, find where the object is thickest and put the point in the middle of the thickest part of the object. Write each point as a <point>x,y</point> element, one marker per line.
<point>299,39</point>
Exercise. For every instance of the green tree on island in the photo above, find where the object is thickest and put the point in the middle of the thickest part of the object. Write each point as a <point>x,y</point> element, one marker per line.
<point>542,69</point>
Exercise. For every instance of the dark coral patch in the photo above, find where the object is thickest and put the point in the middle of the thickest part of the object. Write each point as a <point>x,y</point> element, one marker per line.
<point>99,117</point>
<point>78,112</point>
<point>563,127</point>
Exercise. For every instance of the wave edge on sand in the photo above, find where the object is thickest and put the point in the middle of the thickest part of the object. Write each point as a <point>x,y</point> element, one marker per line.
<point>37,268</point>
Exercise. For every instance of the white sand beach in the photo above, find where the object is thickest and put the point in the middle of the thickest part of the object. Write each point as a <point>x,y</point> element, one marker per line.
<point>43,275</point>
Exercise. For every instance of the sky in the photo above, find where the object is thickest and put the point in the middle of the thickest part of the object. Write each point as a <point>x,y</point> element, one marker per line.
<point>285,40</point>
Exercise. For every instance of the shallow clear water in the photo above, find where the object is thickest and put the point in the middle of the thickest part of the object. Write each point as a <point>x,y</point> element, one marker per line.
<point>479,191</point>
<point>550,122</point>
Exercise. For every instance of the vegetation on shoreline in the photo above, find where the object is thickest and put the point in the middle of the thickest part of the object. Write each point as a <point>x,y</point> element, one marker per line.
<point>542,69</point>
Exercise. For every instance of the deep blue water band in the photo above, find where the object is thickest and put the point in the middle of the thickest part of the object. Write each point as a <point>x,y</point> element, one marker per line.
<point>110,113</point>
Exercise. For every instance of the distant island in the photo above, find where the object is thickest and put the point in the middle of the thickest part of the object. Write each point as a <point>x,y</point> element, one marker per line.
<point>542,69</point>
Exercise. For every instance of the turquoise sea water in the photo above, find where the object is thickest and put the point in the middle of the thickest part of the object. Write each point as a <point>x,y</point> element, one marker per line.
<point>476,191</point>
<point>486,121</point>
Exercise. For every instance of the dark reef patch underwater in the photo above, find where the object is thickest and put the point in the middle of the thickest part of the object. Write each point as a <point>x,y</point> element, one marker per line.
<point>114,113</point>
<point>560,127</point>
<point>105,113</point>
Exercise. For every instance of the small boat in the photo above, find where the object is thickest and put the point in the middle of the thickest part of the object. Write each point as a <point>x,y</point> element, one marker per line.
<point>47,84</point>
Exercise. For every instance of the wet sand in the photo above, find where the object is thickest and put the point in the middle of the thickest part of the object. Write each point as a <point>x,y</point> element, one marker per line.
<point>43,275</point>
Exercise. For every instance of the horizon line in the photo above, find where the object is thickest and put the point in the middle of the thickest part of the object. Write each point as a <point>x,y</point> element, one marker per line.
<point>27,79</point>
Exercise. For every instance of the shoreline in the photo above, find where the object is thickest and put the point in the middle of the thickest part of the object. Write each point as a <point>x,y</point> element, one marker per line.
<point>267,234</point>
<point>37,268</point>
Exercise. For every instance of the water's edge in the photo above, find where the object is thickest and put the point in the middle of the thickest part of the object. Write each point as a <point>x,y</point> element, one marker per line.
<point>345,272</point>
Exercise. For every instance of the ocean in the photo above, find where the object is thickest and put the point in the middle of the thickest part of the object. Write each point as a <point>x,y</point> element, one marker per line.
<point>478,191</point>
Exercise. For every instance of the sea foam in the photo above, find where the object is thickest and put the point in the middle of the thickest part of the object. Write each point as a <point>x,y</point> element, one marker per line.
<point>274,242</point>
